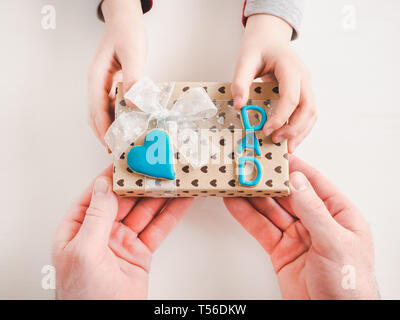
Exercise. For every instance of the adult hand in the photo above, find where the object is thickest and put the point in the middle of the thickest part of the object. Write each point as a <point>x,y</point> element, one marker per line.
<point>104,244</point>
<point>319,243</point>
<point>265,52</point>
<point>123,46</point>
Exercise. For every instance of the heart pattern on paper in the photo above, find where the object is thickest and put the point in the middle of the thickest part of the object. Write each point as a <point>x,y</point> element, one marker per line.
<point>212,178</point>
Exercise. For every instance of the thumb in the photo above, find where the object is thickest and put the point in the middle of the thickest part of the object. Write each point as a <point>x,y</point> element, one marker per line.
<point>311,210</point>
<point>246,70</point>
<point>100,215</point>
<point>133,59</point>
<point>131,74</point>
<point>130,42</point>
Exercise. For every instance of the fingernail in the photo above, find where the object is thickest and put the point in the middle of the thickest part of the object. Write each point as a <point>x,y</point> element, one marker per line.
<point>278,139</point>
<point>268,131</point>
<point>299,181</point>
<point>100,186</point>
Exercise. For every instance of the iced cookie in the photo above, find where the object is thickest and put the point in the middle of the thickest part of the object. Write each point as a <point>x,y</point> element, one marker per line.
<point>245,117</point>
<point>154,158</point>
<point>250,143</point>
<point>241,171</point>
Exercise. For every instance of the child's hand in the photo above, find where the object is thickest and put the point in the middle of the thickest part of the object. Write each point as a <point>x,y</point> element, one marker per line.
<point>265,52</point>
<point>123,45</point>
<point>104,244</point>
<point>319,243</point>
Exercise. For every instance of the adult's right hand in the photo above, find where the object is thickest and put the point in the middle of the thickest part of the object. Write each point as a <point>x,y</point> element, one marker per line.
<point>319,243</point>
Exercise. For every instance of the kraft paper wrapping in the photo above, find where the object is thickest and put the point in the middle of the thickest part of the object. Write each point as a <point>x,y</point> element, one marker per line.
<point>218,177</point>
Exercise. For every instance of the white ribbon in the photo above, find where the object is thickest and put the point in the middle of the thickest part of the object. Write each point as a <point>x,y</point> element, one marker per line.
<point>192,105</point>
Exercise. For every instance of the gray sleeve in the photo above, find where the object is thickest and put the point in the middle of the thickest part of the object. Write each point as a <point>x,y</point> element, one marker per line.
<point>289,10</point>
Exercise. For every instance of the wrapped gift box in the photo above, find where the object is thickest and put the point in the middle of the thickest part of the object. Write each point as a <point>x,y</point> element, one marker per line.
<point>219,176</point>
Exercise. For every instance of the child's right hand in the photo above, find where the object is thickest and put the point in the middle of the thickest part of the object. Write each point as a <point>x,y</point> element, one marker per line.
<point>123,46</point>
<point>265,52</point>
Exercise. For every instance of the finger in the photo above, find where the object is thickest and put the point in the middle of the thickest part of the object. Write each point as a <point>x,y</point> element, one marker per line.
<point>308,109</point>
<point>99,83</point>
<point>155,233</point>
<point>247,68</point>
<point>126,245</point>
<point>312,211</point>
<point>340,207</point>
<point>71,222</point>
<point>69,226</point>
<point>102,121</point>
<point>132,57</point>
<point>130,77</point>
<point>295,141</point>
<point>289,95</point>
<point>92,124</point>
<point>100,215</point>
<point>143,213</point>
<point>125,206</point>
<point>273,211</point>
<point>96,132</point>
<point>299,122</point>
<point>259,226</point>
<point>321,185</point>
<point>269,77</point>
<point>73,219</point>
<point>84,199</point>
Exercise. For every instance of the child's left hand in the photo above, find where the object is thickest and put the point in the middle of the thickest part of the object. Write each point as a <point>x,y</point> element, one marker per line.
<point>265,52</point>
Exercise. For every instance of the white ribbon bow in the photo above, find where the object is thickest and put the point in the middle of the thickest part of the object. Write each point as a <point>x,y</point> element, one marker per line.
<point>192,105</point>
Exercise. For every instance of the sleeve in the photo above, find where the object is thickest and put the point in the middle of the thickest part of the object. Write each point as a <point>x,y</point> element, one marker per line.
<point>146,6</point>
<point>289,10</point>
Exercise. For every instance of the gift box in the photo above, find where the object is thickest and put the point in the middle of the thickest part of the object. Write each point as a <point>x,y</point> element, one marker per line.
<point>237,162</point>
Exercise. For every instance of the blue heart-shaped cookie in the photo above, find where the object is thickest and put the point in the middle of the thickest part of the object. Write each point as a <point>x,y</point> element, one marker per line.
<point>154,157</point>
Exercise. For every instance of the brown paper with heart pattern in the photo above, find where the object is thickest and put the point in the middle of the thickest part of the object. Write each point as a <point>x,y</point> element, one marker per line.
<point>214,179</point>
